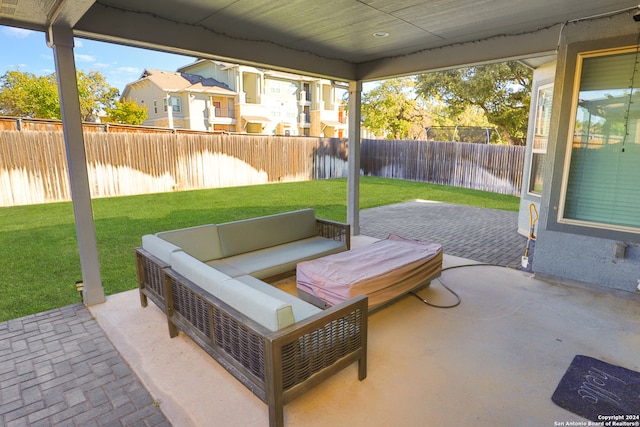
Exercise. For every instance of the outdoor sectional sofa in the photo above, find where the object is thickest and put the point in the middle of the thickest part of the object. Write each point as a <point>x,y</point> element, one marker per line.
<point>210,281</point>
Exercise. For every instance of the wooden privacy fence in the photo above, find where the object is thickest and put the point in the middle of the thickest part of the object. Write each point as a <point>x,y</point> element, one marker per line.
<point>33,167</point>
<point>495,168</point>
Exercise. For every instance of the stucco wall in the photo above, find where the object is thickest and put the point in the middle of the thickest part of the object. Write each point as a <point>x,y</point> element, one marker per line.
<point>586,259</point>
<point>583,254</point>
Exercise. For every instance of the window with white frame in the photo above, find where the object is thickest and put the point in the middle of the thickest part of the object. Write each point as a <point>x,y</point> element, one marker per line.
<point>273,87</point>
<point>540,138</point>
<point>176,106</point>
<point>601,185</point>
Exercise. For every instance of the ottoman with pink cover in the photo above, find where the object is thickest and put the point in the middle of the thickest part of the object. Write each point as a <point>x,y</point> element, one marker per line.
<point>384,271</point>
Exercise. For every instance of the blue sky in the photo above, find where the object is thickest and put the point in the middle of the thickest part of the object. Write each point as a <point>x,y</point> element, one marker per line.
<point>27,51</point>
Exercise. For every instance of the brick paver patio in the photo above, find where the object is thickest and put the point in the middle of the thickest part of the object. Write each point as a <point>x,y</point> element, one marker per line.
<point>484,235</point>
<point>58,368</point>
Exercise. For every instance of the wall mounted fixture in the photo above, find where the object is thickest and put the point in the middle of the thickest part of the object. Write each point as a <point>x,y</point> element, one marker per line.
<point>620,250</point>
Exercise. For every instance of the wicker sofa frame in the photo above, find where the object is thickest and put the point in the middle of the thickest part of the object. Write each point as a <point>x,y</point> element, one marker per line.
<point>276,366</point>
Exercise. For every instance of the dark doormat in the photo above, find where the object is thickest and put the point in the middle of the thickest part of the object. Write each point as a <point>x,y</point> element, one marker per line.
<point>595,390</point>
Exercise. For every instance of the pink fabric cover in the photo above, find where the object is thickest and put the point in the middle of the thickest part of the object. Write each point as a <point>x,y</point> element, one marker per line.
<point>382,270</point>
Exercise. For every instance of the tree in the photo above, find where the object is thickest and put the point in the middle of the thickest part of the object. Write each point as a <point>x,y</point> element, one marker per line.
<point>502,91</point>
<point>391,109</point>
<point>28,95</point>
<point>95,94</point>
<point>127,112</point>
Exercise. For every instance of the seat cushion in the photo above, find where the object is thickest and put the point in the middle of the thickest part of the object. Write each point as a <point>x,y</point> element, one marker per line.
<point>253,234</point>
<point>225,267</point>
<point>280,259</point>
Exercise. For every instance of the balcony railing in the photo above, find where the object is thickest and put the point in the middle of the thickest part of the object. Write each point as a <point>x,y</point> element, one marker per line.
<point>304,118</point>
<point>305,97</point>
<point>225,112</point>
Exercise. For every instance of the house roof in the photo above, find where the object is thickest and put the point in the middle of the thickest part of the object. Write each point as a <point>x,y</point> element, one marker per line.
<point>181,82</point>
<point>342,39</point>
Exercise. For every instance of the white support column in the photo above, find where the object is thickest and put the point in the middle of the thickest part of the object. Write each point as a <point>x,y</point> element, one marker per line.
<point>169,111</point>
<point>353,203</point>
<point>61,40</point>
<point>318,102</point>
<point>211,115</point>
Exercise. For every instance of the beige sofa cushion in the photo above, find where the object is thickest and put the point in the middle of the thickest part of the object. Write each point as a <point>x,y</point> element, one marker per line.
<point>201,242</point>
<point>226,268</point>
<point>253,234</point>
<point>265,309</point>
<point>301,309</point>
<point>275,260</point>
<point>197,272</point>
<point>159,248</point>
<point>272,313</point>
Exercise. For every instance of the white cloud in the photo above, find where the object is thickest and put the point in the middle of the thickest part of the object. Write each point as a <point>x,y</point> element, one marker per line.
<point>128,70</point>
<point>77,43</point>
<point>19,33</point>
<point>84,58</point>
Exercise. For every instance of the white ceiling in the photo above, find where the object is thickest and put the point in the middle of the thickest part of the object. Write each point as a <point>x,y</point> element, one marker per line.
<point>332,38</point>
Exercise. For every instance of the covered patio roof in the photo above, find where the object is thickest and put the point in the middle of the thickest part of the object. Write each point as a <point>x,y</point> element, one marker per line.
<point>343,40</point>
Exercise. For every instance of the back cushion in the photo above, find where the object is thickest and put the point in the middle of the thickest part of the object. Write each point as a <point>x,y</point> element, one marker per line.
<point>158,247</point>
<point>269,311</point>
<point>201,242</point>
<point>199,273</point>
<point>258,233</point>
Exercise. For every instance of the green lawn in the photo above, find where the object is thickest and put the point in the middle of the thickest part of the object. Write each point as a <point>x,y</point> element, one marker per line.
<point>39,250</point>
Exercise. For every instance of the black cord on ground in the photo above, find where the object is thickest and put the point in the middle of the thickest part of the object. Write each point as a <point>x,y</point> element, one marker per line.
<point>477,265</point>
<point>459,300</point>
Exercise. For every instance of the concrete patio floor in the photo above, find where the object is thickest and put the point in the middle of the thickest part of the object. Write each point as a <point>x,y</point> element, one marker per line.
<point>495,359</point>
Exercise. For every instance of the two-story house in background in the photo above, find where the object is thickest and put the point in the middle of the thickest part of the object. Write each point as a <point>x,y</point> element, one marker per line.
<point>181,100</point>
<point>216,96</point>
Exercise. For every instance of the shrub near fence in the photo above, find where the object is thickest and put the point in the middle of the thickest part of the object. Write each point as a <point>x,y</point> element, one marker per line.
<point>33,167</point>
